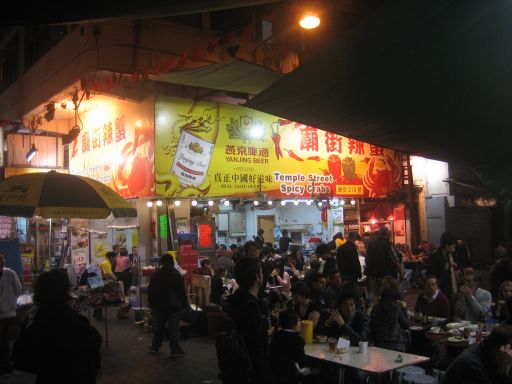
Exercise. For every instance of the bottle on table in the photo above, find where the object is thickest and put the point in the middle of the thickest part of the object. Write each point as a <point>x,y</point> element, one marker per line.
<point>481,322</point>
<point>490,322</point>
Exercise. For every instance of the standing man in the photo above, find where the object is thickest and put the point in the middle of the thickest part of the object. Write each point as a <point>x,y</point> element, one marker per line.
<point>245,310</point>
<point>323,252</point>
<point>381,260</point>
<point>347,259</point>
<point>259,237</point>
<point>10,289</point>
<point>167,298</point>
<point>134,255</point>
<point>284,242</point>
<point>442,265</point>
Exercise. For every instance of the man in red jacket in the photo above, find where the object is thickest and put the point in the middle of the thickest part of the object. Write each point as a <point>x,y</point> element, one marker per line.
<point>433,302</point>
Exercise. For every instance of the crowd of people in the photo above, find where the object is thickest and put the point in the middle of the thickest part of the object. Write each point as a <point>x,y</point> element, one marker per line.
<point>273,290</point>
<point>276,290</point>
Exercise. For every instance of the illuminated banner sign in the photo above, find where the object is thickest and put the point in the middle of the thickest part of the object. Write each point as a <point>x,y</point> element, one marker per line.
<point>211,149</point>
<point>116,147</point>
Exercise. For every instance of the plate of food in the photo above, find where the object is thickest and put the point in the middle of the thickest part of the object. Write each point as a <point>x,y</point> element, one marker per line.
<point>456,339</point>
<point>458,324</point>
<point>436,330</point>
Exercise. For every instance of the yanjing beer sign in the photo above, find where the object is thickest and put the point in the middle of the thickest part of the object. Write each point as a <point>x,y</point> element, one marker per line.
<point>212,149</point>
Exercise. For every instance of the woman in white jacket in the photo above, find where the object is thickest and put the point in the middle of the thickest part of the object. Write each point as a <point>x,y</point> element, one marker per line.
<point>10,289</point>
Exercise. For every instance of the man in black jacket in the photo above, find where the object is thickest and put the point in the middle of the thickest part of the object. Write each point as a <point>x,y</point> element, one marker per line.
<point>287,349</point>
<point>245,310</point>
<point>381,260</point>
<point>167,298</point>
<point>347,258</point>
<point>487,362</point>
<point>347,321</point>
<point>442,265</point>
<point>284,242</point>
<point>323,252</point>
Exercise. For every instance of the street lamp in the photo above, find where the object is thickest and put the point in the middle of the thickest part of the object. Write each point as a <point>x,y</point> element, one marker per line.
<point>309,21</point>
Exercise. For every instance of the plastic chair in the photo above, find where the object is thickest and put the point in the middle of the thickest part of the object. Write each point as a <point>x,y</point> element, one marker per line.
<point>200,286</point>
<point>410,370</point>
<point>419,379</point>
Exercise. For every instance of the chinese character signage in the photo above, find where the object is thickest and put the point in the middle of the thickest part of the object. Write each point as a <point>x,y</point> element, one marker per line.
<point>116,147</point>
<point>79,249</point>
<point>211,149</point>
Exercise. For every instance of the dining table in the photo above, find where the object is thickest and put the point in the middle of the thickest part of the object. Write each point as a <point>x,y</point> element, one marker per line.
<point>375,361</point>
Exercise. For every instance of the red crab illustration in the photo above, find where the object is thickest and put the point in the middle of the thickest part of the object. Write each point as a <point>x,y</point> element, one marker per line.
<point>382,176</point>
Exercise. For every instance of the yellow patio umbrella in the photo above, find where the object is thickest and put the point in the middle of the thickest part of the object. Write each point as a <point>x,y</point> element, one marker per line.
<point>60,195</point>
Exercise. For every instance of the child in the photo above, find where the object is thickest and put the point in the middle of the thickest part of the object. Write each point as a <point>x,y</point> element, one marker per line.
<point>287,350</point>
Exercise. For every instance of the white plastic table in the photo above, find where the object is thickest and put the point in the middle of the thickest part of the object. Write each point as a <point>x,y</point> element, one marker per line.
<point>375,361</point>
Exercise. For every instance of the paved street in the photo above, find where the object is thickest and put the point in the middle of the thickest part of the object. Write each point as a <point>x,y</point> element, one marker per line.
<point>127,360</point>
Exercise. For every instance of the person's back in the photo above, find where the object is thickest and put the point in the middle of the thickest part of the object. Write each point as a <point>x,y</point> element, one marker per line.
<point>167,298</point>
<point>287,349</point>
<point>284,242</point>
<point>59,345</point>
<point>164,281</point>
<point>122,263</point>
<point>379,261</point>
<point>243,307</point>
<point>69,347</point>
<point>388,322</point>
<point>348,261</point>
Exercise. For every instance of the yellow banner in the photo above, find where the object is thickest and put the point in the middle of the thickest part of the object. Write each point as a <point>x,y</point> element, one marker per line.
<point>211,149</point>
